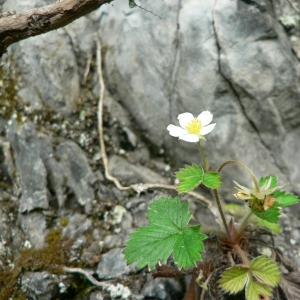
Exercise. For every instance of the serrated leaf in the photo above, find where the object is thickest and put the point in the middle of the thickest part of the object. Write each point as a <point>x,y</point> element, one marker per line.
<point>188,246</point>
<point>190,177</point>
<point>167,212</point>
<point>264,180</point>
<point>150,244</point>
<point>270,215</point>
<point>283,199</point>
<point>272,226</point>
<point>234,279</point>
<point>266,270</point>
<point>167,233</point>
<point>256,289</point>
<point>212,180</point>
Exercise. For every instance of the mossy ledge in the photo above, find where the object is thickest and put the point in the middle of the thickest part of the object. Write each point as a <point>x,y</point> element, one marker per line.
<point>51,258</point>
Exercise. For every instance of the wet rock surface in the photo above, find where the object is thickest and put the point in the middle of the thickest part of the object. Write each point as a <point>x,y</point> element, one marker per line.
<point>238,59</point>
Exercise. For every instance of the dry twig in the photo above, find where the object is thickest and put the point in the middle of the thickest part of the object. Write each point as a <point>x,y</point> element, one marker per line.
<point>87,274</point>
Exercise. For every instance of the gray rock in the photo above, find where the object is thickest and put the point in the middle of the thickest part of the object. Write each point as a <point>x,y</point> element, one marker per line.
<point>129,173</point>
<point>111,194</point>
<point>119,291</point>
<point>40,161</point>
<point>96,296</point>
<point>30,167</point>
<point>34,226</point>
<point>231,57</point>
<point>53,73</point>
<point>112,265</point>
<point>78,224</point>
<point>92,254</point>
<point>141,155</point>
<point>73,170</point>
<point>162,288</point>
<point>48,65</point>
<point>114,240</point>
<point>40,285</point>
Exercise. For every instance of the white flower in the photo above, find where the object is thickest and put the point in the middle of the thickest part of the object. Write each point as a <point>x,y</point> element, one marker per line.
<point>192,129</point>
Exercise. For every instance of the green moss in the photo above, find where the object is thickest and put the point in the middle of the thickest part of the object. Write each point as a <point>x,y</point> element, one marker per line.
<point>51,258</point>
<point>64,221</point>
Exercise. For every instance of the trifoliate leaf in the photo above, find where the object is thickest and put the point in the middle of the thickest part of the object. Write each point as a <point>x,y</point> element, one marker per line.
<point>283,199</point>
<point>255,289</point>
<point>266,270</point>
<point>273,181</point>
<point>212,180</point>
<point>270,215</point>
<point>190,177</point>
<point>167,233</point>
<point>234,279</point>
<point>132,4</point>
<point>272,226</point>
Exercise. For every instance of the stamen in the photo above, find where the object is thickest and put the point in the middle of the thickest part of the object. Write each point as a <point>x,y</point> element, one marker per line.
<point>194,126</point>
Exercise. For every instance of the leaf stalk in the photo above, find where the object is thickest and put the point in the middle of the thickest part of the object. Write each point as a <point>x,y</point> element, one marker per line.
<point>238,163</point>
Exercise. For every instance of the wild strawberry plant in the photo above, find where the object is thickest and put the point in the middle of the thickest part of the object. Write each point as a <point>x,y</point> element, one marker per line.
<point>169,231</point>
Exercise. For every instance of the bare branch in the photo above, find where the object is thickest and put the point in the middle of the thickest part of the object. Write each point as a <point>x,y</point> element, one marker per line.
<point>16,27</point>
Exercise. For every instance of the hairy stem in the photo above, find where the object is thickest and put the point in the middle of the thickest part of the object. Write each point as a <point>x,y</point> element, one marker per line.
<point>216,193</point>
<point>242,255</point>
<point>204,159</point>
<point>235,162</point>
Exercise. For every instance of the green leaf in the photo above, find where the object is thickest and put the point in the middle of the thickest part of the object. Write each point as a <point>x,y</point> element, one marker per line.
<point>169,212</point>
<point>270,215</point>
<point>272,226</point>
<point>132,4</point>
<point>256,289</point>
<point>266,270</point>
<point>283,199</point>
<point>167,233</point>
<point>187,247</point>
<point>190,177</point>
<point>212,180</point>
<point>234,279</point>
<point>264,180</point>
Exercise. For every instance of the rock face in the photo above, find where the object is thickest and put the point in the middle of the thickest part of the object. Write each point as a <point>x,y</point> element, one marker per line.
<point>232,58</point>
<point>239,59</point>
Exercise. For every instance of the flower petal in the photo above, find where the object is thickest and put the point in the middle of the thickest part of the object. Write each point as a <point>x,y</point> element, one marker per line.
<point>207,129</point>
<point>185,118</point>
<point>205,117</point>
<point>176,131</point>
<point>192,138</point>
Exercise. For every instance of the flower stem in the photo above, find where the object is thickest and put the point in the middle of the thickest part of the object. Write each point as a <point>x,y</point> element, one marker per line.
<point>245,220</point>
<point>205,161</point>
<point>216,193</point>
<point>235,162</point>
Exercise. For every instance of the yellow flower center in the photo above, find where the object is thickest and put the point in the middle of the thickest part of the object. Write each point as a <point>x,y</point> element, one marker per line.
<point>194,126</point>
